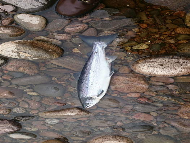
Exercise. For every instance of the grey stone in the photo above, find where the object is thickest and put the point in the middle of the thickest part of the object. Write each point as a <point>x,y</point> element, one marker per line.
<point>100,14</point>
<point>50,89</point>
<point>37,79</point>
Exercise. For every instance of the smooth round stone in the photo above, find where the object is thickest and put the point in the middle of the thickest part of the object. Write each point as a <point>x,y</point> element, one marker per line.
<point>139,128</point>
<point>53,90</point>
<point>100,14</point>
<point>52,121</point>
<point>31,22</point>
<point>22,135</point>
<point>159,139</point>
<point>55,141</point>
<point>145,108</point>
<point>110,139</point>
<point>7,126</point>
<point>10,32</point>
<point>31,5</point>
<point>30,49</point>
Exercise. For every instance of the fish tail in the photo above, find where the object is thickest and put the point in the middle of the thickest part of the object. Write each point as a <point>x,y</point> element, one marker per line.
<point>89,40</point>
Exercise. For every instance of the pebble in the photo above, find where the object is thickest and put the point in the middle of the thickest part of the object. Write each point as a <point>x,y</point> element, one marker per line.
<point>6,94</point>
<point>7,126</point>
<point>90,32</point>
<point>128,83</point>
<point>31,22</point>
<point>19,110</point>
<point>181,124</point>
<point>48,89</point>
<point>7,21</point>
<point>181,30</point>
<point>100,14</point>
<point>187,19</point>
<point>170,131</point>
<point>4,111</point>
<point>30,49</point>
<point>182,79</point>
<point>76,27</point>
<point>23,118</point>
<point>54,141</point>
<point>62,36</point>
<point>49,40</point>
<point>22,135</point>
<point>184,111</point>
<point>166,80</point>
<point>24,66</point>
<point>138,128</point>
<point>52,121</point>
<point>111,24</point>
<point>110,139</point>
<point>35,79</point>
<point>30,5</point>
<point>109,103</point>
<point>57,25</point>
<point>145,108</point>
<point>158,139</point>
<point>70,62</point>
<point>143,117</point>
<point>141,46</point>
<point>7,8</point>
<point>64,113</point>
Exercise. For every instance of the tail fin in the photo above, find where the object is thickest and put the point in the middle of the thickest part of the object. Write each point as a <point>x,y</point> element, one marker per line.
<point>89,40</point>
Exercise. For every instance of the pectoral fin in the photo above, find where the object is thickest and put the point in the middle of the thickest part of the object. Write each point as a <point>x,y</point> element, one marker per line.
<point>101,92</point>
<point>110,58</point>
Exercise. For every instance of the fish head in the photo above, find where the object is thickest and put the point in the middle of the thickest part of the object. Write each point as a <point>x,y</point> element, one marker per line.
<point>89,101</point>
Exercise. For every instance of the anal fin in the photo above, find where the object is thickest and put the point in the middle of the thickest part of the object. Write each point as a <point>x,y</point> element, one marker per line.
<point>101,92</point>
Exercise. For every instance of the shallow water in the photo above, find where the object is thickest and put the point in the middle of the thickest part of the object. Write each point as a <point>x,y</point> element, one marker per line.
<point>147,112</point>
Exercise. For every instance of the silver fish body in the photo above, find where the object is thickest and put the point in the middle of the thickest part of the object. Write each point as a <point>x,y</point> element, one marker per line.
<point>96,74</point>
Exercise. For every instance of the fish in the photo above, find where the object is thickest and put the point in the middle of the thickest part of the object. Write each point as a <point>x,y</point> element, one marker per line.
<point>95,76</point>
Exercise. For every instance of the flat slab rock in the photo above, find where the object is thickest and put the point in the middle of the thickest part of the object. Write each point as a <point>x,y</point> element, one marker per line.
<point>30,5</point>
<point>7,126</point>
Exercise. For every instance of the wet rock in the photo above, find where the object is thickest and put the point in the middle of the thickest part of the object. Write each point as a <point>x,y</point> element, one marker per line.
<point>90,32</point>
<point>162,79</point>
<point>10,32</point>
<point>172,4</point>
<point>7,21</point>
<point>158,139</point>
<point>181,124</point>
<point>187,19</point>
<point>22,135</point>
<point>184,49</point>
<point>109,103</point>
<point>100,14</point>
<point>163,66</point>
<point>31,22</point>
<point>184,111</point>
<point>64,113</point>
<point>170,131</point>
<point>141,46</point>
<point>182,79</point>
<point>30,5</point>
<point>183,37</point>
<point>70,62</point>
<point>24,66</point>
<point>5,111</point>
<point>23,118</point>
<point>128,83</point>
<point>8,126</point>
<point>52,121</point>
<point>36,79</point>
<point>53,90</point>
<point>31,50</point>
<point>138,128</point>
<point>7,8</point>
<point>57,24</point>
<point>76,27</point>
<point>110,138</point>
<point>181,30</point>
<point>145,108</point>
<point>143,117</point>
<point>19,110</point>
<point>56,72</point>
<point>6,94</point>
<point>55,141</point>
<point>49,40</point>
<point>62,36</point>
<point>111,25</point>
<point>120,4</point>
